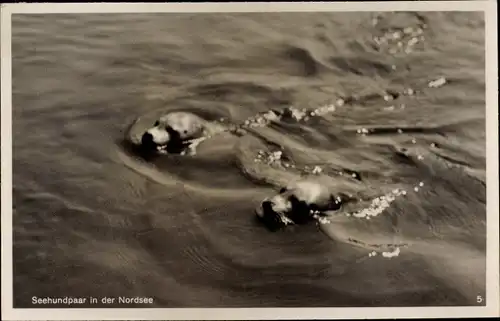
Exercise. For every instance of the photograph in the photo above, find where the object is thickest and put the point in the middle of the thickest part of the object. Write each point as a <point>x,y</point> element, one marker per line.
<point>237,157</point>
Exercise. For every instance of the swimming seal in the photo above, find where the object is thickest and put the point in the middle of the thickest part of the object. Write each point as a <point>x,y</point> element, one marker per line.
<point>298,203</point>
<point>173,132</point>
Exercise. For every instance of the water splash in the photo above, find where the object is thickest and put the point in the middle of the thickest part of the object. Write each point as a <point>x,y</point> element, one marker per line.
<point>399,40</point>
<point>392,254</point>
<point>266,118</point>
<point>378,205</point>
<point>439,82</point>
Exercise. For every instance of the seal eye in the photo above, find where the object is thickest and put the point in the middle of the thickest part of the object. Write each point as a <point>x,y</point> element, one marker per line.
<point>156,123</point>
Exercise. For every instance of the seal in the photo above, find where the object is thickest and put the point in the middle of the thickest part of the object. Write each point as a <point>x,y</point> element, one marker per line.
<point>298,203</point>
<point>173,133</point>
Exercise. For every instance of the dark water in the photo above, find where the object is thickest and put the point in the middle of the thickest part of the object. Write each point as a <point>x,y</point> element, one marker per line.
<point>91,219</point>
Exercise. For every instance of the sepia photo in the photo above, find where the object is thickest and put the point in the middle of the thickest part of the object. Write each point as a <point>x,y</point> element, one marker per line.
<point>247,161</point>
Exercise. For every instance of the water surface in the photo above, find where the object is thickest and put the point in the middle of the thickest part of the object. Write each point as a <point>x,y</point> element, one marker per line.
<point>91,219</point>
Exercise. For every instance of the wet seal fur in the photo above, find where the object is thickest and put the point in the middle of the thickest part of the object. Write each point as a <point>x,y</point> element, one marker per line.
<point>173,133</point>
<point>299,203</point>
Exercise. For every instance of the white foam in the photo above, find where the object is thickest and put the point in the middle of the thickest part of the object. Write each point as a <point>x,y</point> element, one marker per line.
<point>363,131</point>
<point>323,110</point>
<point>408,30</point>
<point>298,114</point>
<point>413,41</point>
<point>269,157</point>
<point>409,91</point>
<point>271,116</point>
<point>441,81</point>
<point>194,144</point>
<point>378,205</point>
<point>317,170</point>
<point>392,254</point>
<point>397,35</point>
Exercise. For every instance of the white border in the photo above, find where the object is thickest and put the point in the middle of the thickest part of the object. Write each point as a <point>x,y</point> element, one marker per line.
<point>492,291</point>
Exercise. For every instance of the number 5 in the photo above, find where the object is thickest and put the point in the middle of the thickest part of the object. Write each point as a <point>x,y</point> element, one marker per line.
<point>479,299</point>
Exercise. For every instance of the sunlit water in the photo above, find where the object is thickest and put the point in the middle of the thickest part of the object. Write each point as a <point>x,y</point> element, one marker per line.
<point>92,219</point>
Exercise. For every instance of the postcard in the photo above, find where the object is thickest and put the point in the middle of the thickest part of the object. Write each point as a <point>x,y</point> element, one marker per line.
<point>249,161</point>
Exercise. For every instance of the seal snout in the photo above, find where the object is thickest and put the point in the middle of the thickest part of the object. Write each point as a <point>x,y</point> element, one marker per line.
<point>269,212</point>
<point>261,209</point>
<point>155,139</point>
<point>147,141</point>
<point>265,209</point>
